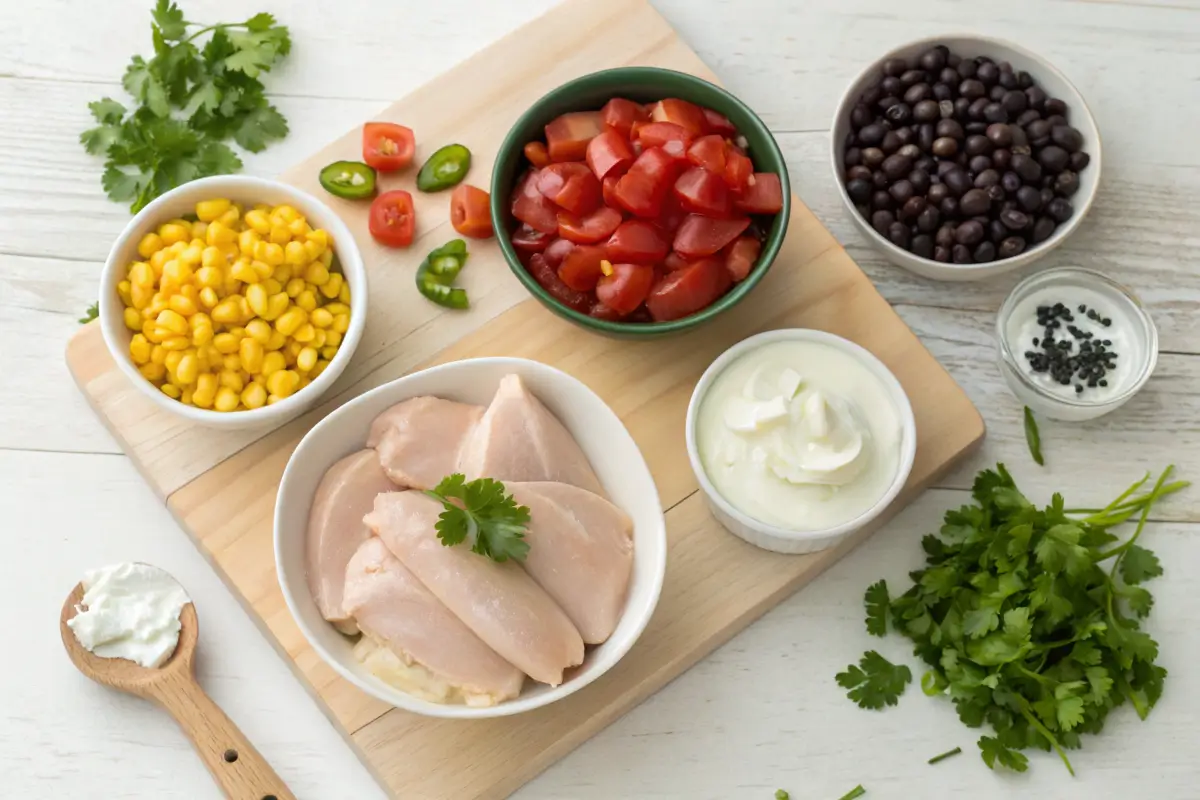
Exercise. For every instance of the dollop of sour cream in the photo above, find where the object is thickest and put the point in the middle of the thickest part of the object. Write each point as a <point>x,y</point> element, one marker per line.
<point>130,611</point>
<point>800,435</point>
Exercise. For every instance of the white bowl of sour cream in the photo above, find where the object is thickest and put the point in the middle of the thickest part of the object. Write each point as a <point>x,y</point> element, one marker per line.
<point>799,438</point>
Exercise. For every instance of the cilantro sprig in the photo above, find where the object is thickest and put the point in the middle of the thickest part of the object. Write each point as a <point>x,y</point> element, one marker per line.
<point>190,97</point>
<point>483,515</point>
<point>1027,618</point>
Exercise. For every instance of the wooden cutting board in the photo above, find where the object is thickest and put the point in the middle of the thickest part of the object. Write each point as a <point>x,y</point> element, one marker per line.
<point>221,486</point>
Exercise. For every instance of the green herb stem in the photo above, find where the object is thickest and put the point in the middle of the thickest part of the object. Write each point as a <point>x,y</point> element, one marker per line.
<point>1044,731</point>
<point>945,755</point>
<point>857,791</point>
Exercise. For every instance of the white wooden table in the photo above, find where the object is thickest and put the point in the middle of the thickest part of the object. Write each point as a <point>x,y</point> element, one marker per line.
<point>763,712</point>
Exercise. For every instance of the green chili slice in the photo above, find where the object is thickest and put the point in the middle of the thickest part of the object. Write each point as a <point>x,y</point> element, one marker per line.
<point>351,180</point>
<point>443,295</point>
<point>444,168</point>
<point>438,271</point>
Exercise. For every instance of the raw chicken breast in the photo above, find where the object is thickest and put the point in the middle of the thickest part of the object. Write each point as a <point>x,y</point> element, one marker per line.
<point>580,552</point>
<point>396,610</point>
<point>418,441</point>
<point>499,602</point>
<point>336,529</point>
<point>518,439</point>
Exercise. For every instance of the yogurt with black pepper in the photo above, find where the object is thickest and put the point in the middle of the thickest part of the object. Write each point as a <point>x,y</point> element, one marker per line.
<point>1074,344</point>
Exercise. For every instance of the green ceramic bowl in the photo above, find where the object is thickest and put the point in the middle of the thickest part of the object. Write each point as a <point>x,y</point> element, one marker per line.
<point>643,84</point>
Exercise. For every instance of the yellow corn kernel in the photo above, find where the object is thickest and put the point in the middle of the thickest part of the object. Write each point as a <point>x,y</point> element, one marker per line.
<point>205,391</point>
<point>292,350</point>
<point>150,244</point>
<point>232,379</point>
<point>272,254</point>
<point>182,305</point>
<point>123,291</point>
<point>153,372</point>
<point>307,300</point>
<point>202,335</point>
<point>247,239</point>
<point>258,330</point>
<point>139,349</point>
<point>230,286</point>
<point>254,396</point>
<point>218,234</point>
<point>232,362</point>
<point>318,236</point>
<point>318,369</point>
<point>344,293</point>
<point>231,217</point>
<point>279,235</point>
<point>258,221</point>
<point>256,296</point>
<point>141,274</point>
<point>283,274</point>
<point>262,269</point>
<point>260,250</point>
<point>172,232</point>
<point>318,340</point>
<point>229,311</point>
<point>175,248</point>
<point>316,274</point>
<point>333,287</point>
<point>283,214</point>
<point>259,379</point>
<point>294,287</point>
<point>290,320</point>
<point>312,251</point>
<point>276,305</point>
<point>140,296</point>
<point>242,271</point>
<point>277,341</point>
<point>177,343</point>
<point>212,257</point>
<point>273,362</point>
<point>133,320</point>
<point>247,313</point>
<point>172,361</point>
<point>208,210</point>
<point>321,318</point>
<point>337,308</point>
<point>327,259</point>
<point>199,231</point>
<point>199,320</point>
<point>190,291</point>
<point>306,359</point>
<point>332,338</point>
<point>298,228</point>
<point>283,383</point>
<point>191,255</point>
<point>158,355</point>
<point>158,304</point>
<point>151,332</point>
<point>272,285</point>
<point>341,323</point>
<point>294,254</point>
<point>304,334</point>
<point>171,390</point>
<point>172,321</point>
<point>188,369</point>
<point>210,276</point>
<point>251,353</point>
<point>226,400</point>
<point>208,297</point>
<point>328,352</point>
<point>176,272</point>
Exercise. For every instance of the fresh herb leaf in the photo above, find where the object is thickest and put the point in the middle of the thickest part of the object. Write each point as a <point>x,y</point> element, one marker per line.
<point>484,515</point>
<point>1139,564</point>
<point>877,608</point>
<point>945,755</point>
<point>993,753</point>
<point>780,794</point>
<point>92,312</point>
<point>875,682</point>
<point>169,19</point>
<point>857,791</point>
<point>1033,438</point>
<point>260,126</point>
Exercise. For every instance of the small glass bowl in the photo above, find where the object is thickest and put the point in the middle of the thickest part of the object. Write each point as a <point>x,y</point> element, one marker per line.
<point>1039,397</point>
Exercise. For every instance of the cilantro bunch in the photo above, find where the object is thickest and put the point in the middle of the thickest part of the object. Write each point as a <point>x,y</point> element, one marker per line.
<point>1027,618</point>
<point>482,513</point>
<point>190,99</point>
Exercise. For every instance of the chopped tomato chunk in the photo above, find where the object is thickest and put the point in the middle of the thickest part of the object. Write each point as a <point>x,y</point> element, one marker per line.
<point>671,216</point>
<point>470,211</point>
<point>601,311</point>
<point>567,136</point>
<point>686,291</point>
<point>703,236</point>
<point>702,192</point>
<point>388,146</point>
<point>681,112</point>
<point>738,169</point>
<point>619,114</point>
<point>557,250</point>
<point>626,287</point>
<point>592,228</point>
<point>657,134</point>
<point>571,186</point>
<point>392,219</point>
<point>530,240</point>
<point>641,190</point>
<point>740,257</point>
<point>708,152</point>
<point>581,268</point>
<point>718,123</point>
<point>532,207</point>
<point>609,154</point>
<point>545,275</point>
<point>608,188</point>
<point>637,241</point>
<point>674,261</point>
<point>763,194</point>
<point>535,153</point>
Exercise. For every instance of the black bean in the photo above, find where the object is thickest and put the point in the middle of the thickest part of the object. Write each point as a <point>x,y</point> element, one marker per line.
<point>980,164</point>
<point>969,233</point>
<point>972,89</point>
<point>906,135</point>
<point>1042,230</point>
<point>996,193</point>
<point>918,92</point>
<point>872,134</point>
<point>1008,79</point>
<point>928,219</point>
<point>1020,139</point>
<point>937,193</point>
<point>1036,97</point>
<point>925,137</point>
<point>1011,182</point>
<point>949,128</point>
<point>858,172</point>
<point>1002,158</point>
<point>996,93</point>
<point>1029,198</point>
<point>1066,183</point>
<point>891,142</point>
<point>898,234</point>
<point>941,254</point>
<point>950,76</point>
<point>922,245</point>
<point>945,147</point>
<point>888,102</point>
<point>861,115</point>
<point>891,86</point>
<point>912,208</point>
<point>852,157</point>
<point>974,202</point>
<point>1038,132</point>
<point>997,231</point>
<point>943,91</point>
<point>901,191</point>
<point>933,59</point>
<point>911,77</point>
<point>960,254</point>
<point>1060,209</point>
<point>967,67</point>
<point>1079,161</point>
<point>986,177</point>
<point>1047,194</point>
<point>949,207</point>
<point>1067,138</point>
<point>1053,158</point>
<point>908,150</point>
<point>995,112</point>
<point>945,235</point>
<point>1011,246</point>
<point>896,166</point>
<point>978,145</point>
<point>881,200</point>
<point>899,114</point>
<point>860,191</point>
<point>927,164</point>
<point>1025,166</point>
<point>850,139</point>
<point>879,179</point>
<point>988,73</point>
<point>926,111</point>
<point>1056,119</point>
<point>1024,80</point>
<point>1015,220</point>
<point>958,181</point>
<point>872,95</point>
<point>961,106</point>
<point>881,220</point>
<point>872,157</point>
<point>1014,102</point>
<point>1056,106</point>
<point>919,179</point>
<point>894,67</point>
<point>985,251</point>
<point>975,110</point>
<point>1027,117</point>
<point>999,135</point>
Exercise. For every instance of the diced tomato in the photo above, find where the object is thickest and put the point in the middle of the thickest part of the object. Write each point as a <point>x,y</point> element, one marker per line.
<point>530,240</point>
<point>740,257</point>
<point>763,194</point>
<point>703,236</point>
<point>391,219</point>
<point>567,136</point>
<point>535,153</point>
<point>657,134</point>
<point>470,211</point>
<point>571,186</point>
<point>388,146</point>
<point>595,227</point>
<point>608,190</point>
<point>703,192</point>
<point>671,216</point>
<point>609,154</point>
<point>625,289</point>
<point>686,291</point>
<point>718,123</point>
<point>581,268</point>
<point>681,112</point>
<point>557,250</point>
<point>635,128</point>
<point>601,311</point>
<point>708,152</point>
<point>545,275</point>
<point>674,261</point>
<point>532,207</point>
<point>620,114</point>
<point>641,190</point>
<point>638,242</point>
<point>738,169</point>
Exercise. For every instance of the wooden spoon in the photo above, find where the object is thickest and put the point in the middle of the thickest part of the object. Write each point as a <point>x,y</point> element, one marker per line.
<point>237,767</point>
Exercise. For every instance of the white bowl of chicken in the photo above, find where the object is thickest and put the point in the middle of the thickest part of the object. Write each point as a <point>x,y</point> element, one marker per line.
<point>562,553</point>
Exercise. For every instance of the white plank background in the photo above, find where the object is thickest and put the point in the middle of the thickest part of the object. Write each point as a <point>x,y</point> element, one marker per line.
<point>762,712</point>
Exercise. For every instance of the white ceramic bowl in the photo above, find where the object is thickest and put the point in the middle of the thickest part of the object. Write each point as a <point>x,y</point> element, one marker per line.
<point>1048,78</point>
<point>773,537</point>
<point>605,441</point>
<point>248,191</point>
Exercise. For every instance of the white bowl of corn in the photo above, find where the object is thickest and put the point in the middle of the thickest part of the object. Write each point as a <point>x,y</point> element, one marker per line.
<point>234,301</point>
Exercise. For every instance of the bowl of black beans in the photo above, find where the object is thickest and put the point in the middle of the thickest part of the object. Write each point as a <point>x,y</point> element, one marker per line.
<point>963,157</point>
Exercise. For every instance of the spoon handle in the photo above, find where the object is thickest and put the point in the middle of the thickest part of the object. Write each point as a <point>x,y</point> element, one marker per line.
<point>236,766</point>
